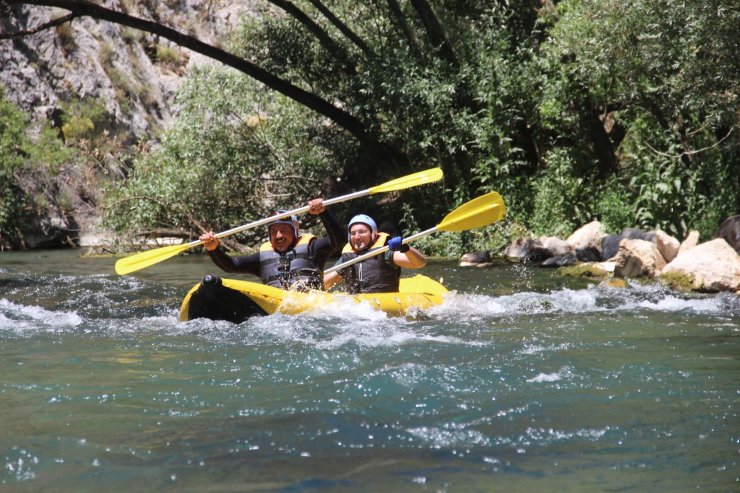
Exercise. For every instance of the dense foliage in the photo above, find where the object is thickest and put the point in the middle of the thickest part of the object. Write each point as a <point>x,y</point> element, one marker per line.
<point>25,165</point>
<point>13,139</point>
<point>575,110</point>
<point>236,153</point>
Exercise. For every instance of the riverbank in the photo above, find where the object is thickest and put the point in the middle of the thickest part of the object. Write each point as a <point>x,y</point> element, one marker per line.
<point>688,265</point>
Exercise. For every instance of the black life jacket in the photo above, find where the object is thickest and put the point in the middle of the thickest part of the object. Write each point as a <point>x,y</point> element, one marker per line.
<point>377,274</point>
<point>294,269</point>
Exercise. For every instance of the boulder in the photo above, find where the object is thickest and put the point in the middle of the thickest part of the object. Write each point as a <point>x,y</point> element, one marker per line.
<point>588,254</point>
<point>691,240</point>
<point>667,245</point>
<point>475,259</point>
<point>711,266</point>
<point>610,244</point>
<point>537,250</point>
<point>638,258</point>
<point>555,246</point>
<point>526,250</point>
<point>729,230</point>
<point>560,260</point>
<point>587,236</point>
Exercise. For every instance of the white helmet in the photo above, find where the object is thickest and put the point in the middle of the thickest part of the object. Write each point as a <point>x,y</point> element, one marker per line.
<point>292,220</point>
<point>363,219</point>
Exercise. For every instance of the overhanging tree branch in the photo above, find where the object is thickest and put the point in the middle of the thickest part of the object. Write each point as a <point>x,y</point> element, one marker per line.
<point>81,8</point>
<point>324,39</point>
<point>435,32</point>
<point>343,28</point>
<point>400,21</point>
<point>38,29</point>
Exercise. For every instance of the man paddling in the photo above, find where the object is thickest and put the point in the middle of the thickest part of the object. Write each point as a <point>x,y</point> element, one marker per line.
<point>378,274</point>
<point>289,260</point>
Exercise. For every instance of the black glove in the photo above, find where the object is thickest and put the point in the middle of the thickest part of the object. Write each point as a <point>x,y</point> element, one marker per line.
<point>396,244</point>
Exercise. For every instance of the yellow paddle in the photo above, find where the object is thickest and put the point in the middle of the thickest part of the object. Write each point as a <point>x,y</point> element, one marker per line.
<point>151,257</point>
<point>479,212</point>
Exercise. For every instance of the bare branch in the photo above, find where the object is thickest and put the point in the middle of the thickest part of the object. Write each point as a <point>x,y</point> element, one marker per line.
<point>42,27</point>
<point>690,153</point>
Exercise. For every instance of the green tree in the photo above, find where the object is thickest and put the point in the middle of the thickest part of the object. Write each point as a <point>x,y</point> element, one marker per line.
<point>651,87</point>
<point>13,149</point>
<point>237,152</point>
<point>574,110</point>
<point>24,160</point>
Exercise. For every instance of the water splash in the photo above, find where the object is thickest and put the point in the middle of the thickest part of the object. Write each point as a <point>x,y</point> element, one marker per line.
<point>21,318</point>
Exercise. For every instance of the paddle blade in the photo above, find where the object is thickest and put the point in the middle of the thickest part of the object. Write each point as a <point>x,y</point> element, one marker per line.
<point>416,179</point>
<point>479,212</point>
<point>147,258</point>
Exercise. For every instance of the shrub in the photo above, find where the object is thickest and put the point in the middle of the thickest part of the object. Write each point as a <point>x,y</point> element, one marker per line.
<point>23,159</point>
<point>236,153</point>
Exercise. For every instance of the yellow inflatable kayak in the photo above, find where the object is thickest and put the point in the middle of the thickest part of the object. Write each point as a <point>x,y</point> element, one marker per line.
<point>236,301</point>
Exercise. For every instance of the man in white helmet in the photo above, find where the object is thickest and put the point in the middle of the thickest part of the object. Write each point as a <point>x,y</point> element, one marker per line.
<point>289,260</point>
<point>378,274</point>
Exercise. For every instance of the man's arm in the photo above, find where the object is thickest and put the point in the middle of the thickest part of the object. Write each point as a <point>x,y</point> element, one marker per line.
<point>249,264</point>
<point>405,255</point>
<point>331,279</point>
<point>411,259</point>
<point>335,233</point>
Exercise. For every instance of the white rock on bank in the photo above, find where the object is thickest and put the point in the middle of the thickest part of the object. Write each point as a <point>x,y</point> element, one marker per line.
<point>667,244</point>
<point>638,258</point>
<point>689,242</point>
<point>587,236</point>
<point>713,266</point>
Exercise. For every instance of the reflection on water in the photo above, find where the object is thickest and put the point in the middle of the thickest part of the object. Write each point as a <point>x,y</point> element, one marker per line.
<point>520,379</point>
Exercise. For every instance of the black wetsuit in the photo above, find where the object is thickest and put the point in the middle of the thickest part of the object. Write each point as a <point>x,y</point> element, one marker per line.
<point>376,274</point>
<point>319,250</point>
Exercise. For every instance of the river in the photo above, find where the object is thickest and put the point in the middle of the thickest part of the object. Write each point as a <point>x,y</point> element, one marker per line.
<point>522,381</point>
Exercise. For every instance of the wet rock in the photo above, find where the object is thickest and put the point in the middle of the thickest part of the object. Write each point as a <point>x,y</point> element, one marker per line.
<point>638,258</point>
<point>712,266</point>
<point>560,260</point>
<point>677,280</point>
<point>475,259</point>
<point>610,243</point>
<point>588,236</point>
<point>526,250</point>
<point>729,230</point>
<point>615,282</point>
<point>588,254</point>
<point>537,250</point>
<point>584,271</point>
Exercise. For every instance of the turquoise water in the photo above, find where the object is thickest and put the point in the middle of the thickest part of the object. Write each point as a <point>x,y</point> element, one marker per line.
<point>521,381</point>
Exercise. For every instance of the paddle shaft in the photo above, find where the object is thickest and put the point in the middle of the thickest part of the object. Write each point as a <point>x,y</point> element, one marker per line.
<point>151,257</point>
<point>267,220</point>
<point>479,212</point>
<point>385,248</point>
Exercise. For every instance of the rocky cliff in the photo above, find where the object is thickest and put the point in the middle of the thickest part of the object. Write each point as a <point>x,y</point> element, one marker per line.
<point>133,75</point>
